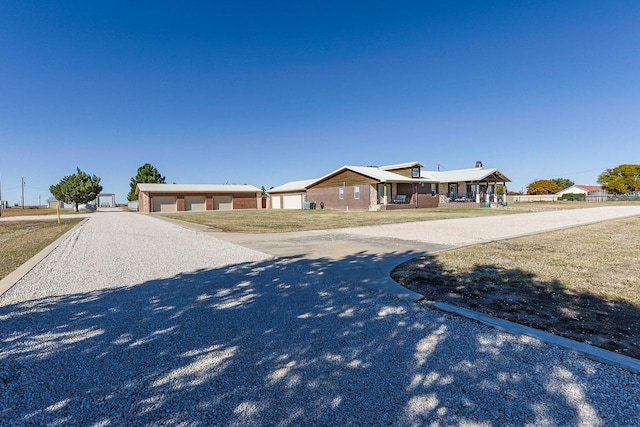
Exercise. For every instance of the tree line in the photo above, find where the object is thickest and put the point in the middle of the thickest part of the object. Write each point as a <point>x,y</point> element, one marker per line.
<point>623,179</point>
<point>81,187</point>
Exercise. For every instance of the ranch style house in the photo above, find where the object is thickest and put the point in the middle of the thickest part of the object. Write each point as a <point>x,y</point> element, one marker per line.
<point>400,186</point>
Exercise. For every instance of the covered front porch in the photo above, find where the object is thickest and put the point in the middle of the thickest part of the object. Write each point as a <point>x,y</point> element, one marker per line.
<point>490,188</point>
<point>395,196</point>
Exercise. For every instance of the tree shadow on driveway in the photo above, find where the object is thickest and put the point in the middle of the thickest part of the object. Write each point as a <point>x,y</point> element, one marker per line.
<point>522,297</point>
<point>284,342</point>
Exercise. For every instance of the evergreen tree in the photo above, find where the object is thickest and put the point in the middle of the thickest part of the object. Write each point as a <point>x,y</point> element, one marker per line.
<point>77,188</point>
<point>147,174</point>
<point>563,183</point>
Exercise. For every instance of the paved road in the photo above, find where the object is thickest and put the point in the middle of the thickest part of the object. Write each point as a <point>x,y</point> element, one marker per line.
<point>137,321</point>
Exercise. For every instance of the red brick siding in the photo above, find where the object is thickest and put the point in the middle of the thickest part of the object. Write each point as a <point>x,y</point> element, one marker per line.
<point>240,200</point>
<point>143,202</point>
<point>330,197</point>
<point>428,201</point>
<point>424,201</point>
<point>245,201</point>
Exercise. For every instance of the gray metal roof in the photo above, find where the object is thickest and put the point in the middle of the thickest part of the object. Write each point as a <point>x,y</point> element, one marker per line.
<point>402,166</point>
<point>197,188</point>
<point>374,173</point>
<point>292,186</point>
<point>463,175</point>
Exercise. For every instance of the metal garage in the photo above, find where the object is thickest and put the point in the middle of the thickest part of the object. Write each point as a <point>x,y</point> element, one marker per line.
<point>165,204</point>
<point>106,200</point>
<point>195,203</point>
<point>223,203</point>
<point>292,201</point>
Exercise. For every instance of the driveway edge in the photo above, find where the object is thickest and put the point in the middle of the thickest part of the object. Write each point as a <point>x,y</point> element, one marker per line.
<point>13,277</point>
<point>594,353</point>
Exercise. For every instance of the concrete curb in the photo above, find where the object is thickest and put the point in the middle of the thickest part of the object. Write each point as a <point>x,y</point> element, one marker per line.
<point>594,353</point>
<point>13,277</point>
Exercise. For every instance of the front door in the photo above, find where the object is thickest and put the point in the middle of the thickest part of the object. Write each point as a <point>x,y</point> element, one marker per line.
<point>453,191</point>
<point>384,192</point>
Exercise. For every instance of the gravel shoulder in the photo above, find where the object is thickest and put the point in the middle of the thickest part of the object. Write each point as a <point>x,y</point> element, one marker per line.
<point>137,321</point>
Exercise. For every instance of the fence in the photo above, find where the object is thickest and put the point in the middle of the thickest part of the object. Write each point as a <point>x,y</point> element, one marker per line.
<point>526,198</point>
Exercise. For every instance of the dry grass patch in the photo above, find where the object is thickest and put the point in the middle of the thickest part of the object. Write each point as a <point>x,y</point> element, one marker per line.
<point>277,221</point>
<point>20,240</point>
<point>581,283</point>
<point>565,204</point>
<point>33,211</point>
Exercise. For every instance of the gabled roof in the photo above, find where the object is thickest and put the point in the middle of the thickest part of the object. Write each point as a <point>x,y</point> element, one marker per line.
<point>292,186</point>
<point>580,189</point>
<point>402,166</point>
<point>471,174</point>
<point>590,187</point>
<point>372,172</point>
<point>197,188</point>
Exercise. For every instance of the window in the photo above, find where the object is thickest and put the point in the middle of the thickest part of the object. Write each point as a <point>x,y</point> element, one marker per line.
<point>415,172</point>
<point>341,193</point>
<point>356,192</point>
<point>433,189</point>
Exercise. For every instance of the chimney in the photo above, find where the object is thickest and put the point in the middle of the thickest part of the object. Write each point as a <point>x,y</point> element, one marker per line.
<point>479,164</point>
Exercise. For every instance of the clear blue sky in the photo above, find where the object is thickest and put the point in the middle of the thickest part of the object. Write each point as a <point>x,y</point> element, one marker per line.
<point>269,92</point>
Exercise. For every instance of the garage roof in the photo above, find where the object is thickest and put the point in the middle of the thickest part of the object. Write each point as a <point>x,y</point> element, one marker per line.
<point>196,188</point>
<point>292,186</point>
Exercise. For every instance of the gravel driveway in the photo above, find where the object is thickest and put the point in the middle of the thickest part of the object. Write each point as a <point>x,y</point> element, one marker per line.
<point>137,321</point>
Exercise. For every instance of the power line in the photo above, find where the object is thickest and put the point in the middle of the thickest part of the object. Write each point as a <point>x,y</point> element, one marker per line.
<point>37,188</point>
<point>11,188</point>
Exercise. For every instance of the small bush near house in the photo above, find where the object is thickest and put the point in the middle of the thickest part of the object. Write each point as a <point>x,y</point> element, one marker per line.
<point>574,197</point>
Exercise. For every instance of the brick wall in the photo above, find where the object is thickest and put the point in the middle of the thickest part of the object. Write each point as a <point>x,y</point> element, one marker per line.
<point>424,201</point>
<point>428,201</point>
<point>245,201</point>
<point>330,197</point>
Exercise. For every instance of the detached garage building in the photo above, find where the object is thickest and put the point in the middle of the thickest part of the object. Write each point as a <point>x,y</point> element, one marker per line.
<point>197,197</point>
<point>292,195</point>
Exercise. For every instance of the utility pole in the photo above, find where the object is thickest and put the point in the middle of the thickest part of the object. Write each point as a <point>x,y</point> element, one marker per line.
<point>1,202</point>
<point>23,192</point>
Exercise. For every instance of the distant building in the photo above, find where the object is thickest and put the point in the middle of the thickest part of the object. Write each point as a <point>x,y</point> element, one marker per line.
<point>106,200</point>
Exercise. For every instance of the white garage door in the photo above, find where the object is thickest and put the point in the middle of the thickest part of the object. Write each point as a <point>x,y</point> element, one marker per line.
<point>223,203</point>
<point>275,202</point>
<point>292,201</point>
<point>105,202</point>
<point>195,203</point>
<point>165,204</point>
